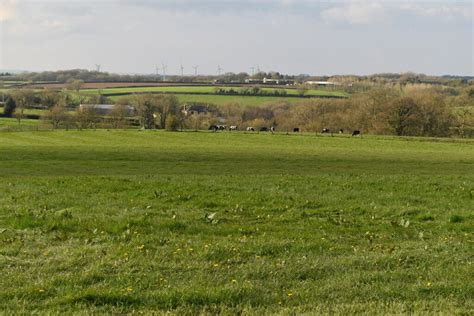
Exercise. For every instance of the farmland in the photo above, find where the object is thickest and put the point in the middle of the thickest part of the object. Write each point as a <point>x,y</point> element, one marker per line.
<point>205,89</point>
<point>129,221</point>
<point>207,94</point>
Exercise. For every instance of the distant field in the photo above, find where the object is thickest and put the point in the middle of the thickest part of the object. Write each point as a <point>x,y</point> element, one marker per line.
<point>99,222</point>
<point>223,99</point>
<point>215,99</point>
<point>206,89</point>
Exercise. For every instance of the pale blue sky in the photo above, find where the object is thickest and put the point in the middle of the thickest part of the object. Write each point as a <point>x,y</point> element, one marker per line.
<point>290,36</point>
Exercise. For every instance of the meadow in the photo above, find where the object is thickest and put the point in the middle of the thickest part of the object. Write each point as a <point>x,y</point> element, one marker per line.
<point>206,94</point>
<point>208,89</point>
<point>197,222</point>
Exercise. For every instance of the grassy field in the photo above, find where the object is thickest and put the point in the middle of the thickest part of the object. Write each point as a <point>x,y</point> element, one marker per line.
<point>206,89</point>
<point>129,221</point>
<point>12,124</point>
<point>225,99</point>
<point>215,99</point>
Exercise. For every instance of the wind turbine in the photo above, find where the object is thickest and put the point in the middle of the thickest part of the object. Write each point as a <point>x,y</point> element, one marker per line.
<point>182,70</point>
<point>196,70</point>
<point>164,67</point>
<point>97,67</point>
<point>253,70</point>
<point>219,70</point>
<point>157,70</point>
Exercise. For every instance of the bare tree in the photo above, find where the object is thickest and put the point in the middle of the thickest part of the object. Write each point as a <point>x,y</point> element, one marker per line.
<point>23,98</point>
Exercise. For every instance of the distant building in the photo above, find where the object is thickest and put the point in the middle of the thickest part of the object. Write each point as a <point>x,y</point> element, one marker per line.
<point>194,109</point>
<point>322,83</point>
<point>106,109</point>
<point>270,81</point>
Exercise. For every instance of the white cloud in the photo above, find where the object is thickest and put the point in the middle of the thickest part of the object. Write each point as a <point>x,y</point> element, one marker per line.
<point>355,12</point>
<point>7,10</point>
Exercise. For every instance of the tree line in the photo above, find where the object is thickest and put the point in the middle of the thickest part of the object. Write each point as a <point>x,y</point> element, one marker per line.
<point>414,110</point>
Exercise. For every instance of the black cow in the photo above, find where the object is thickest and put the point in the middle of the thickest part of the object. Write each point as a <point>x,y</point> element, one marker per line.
<point>264,129</point>
<point>355,133</point>
<point>296,130</point>
<point>341,131</point>
<point>325,131</point>
<point>213,128</point>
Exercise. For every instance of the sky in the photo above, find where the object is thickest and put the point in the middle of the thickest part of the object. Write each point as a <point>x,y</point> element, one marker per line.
<point>290,36</point>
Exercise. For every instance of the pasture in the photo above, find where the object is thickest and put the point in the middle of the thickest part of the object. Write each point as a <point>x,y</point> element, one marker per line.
<point>227,99</point>
<point>206,94</point>
<point>208,90</point>
<point>134,221</point>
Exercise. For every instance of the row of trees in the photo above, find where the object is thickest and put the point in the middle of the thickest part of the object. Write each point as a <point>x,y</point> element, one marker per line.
<point>415,112</point>
<point>421,110</point>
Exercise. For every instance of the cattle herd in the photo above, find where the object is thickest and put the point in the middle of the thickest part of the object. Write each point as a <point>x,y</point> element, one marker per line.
<point>216,128</point>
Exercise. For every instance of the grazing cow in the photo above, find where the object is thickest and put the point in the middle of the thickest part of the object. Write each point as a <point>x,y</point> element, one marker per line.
<point>264,129</point>
<point>221,127</point>
<point>296,130</point>
<point>250,129</point>
<point>272,129</point>
<point>341,131</point>
<point>213,128</point>
<point>325,131</point>
<point>355,133</point>
<point>233,128</point>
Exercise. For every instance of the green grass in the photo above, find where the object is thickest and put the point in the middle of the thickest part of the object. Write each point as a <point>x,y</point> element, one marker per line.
<point>6,123</point>
<point>205,89</point>
<point>215,99</point>
<point>225,99</point>
<point>128,221</point>
<point>30,111</point>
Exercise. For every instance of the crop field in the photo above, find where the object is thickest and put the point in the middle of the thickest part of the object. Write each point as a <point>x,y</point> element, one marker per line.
<point>134,221</point>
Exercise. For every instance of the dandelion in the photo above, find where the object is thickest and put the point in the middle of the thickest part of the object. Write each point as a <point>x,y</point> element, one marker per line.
<point>216,265</point>
<point>141,247</point>
<point>129,290</point>
<point>429,284</point>
<point>234,281</point>
<point>40,290</point>
<point>290,294</point>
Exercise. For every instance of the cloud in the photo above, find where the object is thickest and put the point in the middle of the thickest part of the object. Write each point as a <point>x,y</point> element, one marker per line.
<point>452,10</point>
<point>7,10</point>
<point>355,12</point>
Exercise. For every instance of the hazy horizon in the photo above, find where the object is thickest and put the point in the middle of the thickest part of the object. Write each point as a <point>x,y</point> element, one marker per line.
<point>358,37</point>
